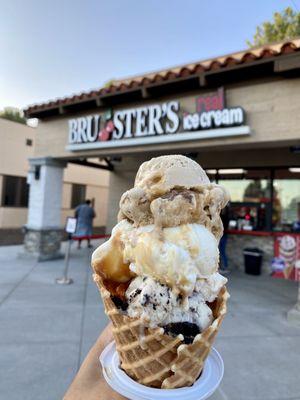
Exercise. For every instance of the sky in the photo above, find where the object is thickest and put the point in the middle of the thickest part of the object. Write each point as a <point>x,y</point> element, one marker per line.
<point>54,48</point>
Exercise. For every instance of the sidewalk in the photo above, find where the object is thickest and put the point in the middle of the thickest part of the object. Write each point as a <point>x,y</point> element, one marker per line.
<point>47,329</point>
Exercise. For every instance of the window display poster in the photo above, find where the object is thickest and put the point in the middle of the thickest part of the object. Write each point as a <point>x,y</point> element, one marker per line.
<point>286,263</point>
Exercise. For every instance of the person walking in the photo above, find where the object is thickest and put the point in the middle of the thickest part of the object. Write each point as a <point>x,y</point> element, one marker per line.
<point>85,215</point>
<point>223,242</point>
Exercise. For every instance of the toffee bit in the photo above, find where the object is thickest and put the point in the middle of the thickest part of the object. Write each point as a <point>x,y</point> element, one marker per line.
<point>186,194</point>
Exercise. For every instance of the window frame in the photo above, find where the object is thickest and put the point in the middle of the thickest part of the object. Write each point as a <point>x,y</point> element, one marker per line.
<point>73,203</point>
<point>21,180</point>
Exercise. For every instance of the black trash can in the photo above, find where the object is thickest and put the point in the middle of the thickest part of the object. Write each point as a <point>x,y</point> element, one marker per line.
<point>253,260</point>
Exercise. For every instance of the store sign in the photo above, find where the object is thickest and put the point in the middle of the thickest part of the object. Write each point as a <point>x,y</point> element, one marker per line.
<point>169,121</point>
<point>286,261</point>
<point>212,113</point>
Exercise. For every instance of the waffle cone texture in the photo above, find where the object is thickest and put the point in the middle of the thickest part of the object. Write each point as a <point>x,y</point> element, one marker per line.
<point>155,359</point>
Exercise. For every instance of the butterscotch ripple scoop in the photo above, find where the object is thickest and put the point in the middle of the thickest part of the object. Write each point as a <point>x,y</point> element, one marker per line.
<point>161,174</point>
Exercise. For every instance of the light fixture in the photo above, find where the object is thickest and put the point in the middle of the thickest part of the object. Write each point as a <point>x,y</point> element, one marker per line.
<point>295,170</point>
<point>232,171</point>
<point>37,172</point>
<point>211,171</point>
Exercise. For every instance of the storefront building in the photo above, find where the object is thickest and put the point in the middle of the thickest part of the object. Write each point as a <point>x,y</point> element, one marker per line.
<point>17,146</point>
<point>237,115</point>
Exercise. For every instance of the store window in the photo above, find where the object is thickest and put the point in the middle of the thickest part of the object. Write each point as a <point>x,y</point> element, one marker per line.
<point>212,175</point>
<point>286,199</point>
<point>78,194</point>
<point>14,191</point>
<point>262,199</point>
<point>250,192</point>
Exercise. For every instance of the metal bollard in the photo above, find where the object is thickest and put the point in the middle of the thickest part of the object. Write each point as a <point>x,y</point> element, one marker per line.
<point>64,280</point>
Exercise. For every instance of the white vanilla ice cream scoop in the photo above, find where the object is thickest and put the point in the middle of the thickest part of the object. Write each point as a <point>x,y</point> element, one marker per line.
<point>177,256</point>
<point>210,286</point>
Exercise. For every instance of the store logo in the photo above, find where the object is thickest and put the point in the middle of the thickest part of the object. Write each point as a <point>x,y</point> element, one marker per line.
<point>211,113</point>
<point>136,122</point>
<point>150,121</point>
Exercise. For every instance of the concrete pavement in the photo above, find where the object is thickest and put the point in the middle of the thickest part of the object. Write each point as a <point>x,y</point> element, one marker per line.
<point>47,329</point>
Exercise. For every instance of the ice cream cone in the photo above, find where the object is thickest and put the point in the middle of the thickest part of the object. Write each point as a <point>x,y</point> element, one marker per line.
<point>160,273</point>
<point>154,358</point>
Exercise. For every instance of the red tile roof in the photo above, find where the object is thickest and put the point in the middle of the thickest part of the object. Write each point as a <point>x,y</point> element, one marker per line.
<point>171,74</point>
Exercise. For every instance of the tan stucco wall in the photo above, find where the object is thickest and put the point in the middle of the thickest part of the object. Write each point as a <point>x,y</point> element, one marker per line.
<point>271,108</point>
<point>13,150</point>
<point>66,196</point>
<point>86,175</point>
<point>13,161</point>
<point>12,217</point>
<point>14,156</point>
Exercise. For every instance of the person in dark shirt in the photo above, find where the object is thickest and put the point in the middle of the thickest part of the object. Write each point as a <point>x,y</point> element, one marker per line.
<point>85,215</point>
<point>222,245</point>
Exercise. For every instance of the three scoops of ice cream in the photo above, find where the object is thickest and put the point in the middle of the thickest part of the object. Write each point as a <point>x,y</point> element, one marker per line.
<point>161,263</point>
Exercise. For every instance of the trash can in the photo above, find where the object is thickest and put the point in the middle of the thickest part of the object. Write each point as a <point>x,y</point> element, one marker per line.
<point>253,260</point>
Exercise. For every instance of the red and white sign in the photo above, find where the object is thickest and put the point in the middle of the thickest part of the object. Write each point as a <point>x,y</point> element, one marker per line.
<point>287,253</point>
<point>165,122</point>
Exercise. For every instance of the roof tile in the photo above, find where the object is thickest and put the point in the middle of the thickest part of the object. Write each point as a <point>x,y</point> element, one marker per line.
<point>122,85</point>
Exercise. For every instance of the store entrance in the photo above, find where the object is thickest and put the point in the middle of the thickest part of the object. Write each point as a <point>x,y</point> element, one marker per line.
<point>262,199</point>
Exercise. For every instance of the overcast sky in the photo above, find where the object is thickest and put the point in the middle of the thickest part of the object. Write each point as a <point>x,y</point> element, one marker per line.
<point>53,48</point>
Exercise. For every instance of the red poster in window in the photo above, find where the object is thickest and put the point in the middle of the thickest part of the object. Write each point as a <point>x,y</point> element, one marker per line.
<point>286,263</point>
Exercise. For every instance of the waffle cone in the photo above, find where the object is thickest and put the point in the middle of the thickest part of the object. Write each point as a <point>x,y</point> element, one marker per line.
<point>153,358</point>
